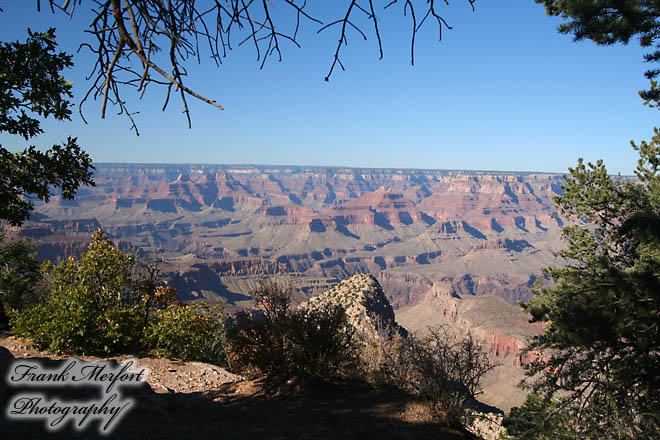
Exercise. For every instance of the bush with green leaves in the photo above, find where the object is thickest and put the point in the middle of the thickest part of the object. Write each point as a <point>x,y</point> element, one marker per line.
<point>102,304</point>
<point>188,332</point>
<point>88,309</point>
<point>283,344</point>
<point>539,419</point>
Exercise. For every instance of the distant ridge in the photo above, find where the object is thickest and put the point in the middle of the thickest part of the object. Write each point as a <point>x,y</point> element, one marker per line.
<point>317,167</point>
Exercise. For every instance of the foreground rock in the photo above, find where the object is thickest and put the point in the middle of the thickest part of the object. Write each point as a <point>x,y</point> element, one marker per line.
<point>367,308</point>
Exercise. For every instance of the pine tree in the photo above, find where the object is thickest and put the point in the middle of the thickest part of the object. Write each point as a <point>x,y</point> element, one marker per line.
<point>597,371</point>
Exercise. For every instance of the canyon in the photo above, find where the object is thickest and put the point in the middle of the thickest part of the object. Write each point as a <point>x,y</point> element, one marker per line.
<point>449,247</point>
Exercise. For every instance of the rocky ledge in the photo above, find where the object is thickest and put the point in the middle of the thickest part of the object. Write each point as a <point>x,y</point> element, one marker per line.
<point>366,306</point>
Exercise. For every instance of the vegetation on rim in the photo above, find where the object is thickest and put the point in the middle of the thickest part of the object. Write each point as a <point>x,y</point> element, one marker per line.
<point>103,305</point>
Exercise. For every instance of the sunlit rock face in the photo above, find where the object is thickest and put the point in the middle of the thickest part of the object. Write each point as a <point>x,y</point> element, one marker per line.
<point>367,308</point>
<point>486,233</point>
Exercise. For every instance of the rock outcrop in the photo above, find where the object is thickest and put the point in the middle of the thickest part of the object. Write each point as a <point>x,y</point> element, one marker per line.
<point>367,308</point>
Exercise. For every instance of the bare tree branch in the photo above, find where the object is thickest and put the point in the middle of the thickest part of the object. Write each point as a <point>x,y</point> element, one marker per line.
<point>125,30</point>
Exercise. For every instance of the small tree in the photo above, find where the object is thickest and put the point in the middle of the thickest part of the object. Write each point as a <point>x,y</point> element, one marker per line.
<point>20,274</point>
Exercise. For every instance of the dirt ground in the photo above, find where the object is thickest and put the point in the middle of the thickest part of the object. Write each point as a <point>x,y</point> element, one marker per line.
<point>196,400</point>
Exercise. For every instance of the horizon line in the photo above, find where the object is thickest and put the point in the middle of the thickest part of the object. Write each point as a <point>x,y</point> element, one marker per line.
<point>246,165</point>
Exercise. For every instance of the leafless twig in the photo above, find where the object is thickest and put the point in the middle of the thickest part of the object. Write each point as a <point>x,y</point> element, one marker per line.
<point>128,30</point>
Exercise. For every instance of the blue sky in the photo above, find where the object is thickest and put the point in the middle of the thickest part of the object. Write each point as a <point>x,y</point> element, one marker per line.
<point>503,90</point>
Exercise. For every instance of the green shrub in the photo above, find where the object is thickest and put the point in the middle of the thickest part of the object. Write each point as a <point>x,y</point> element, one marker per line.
<point>537,419</point>
<point>103,305</point>
<point>86,310</point>
<point>22,283</point>
<point>602,417</point>
<point>322,344</point>
<point>188,332</point>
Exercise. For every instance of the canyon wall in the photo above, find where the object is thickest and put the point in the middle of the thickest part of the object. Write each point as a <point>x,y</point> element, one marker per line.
<point>454,248</point>
<point>487,233</point>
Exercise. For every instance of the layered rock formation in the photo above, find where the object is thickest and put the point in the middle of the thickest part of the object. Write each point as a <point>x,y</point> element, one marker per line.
<point>486,233</point>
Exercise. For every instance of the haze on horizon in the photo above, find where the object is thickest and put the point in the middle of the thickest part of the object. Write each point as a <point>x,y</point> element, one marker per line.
<point>503,90</point>
<point>338,167</point>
